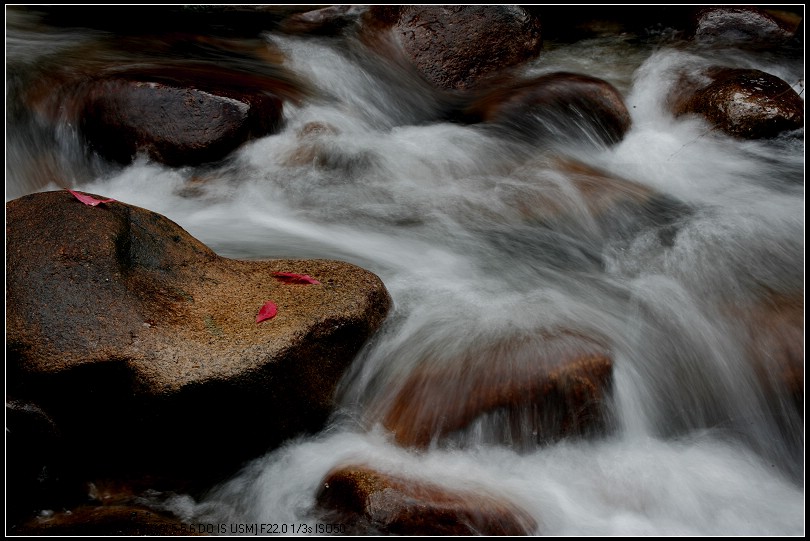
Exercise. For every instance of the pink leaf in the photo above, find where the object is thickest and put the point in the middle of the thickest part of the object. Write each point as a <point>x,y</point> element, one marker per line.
<point>268,311</point>
<point>87,200</point>
<point>293,278</point>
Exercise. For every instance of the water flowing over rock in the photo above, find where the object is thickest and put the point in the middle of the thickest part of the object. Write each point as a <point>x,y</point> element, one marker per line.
<point>528,390</point>
<point>552,105</point>
<point>744,103</point>
<point>596,316</point>
<point>173,125</point>
<point>142,344</point>
<point>774,331</point>
<point>389,504</point>
<point>456,47</point>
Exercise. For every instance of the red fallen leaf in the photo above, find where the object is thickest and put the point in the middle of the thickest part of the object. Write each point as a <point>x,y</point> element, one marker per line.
<point>268,311</point>
<point>87,200</point>
<point>293,278</point>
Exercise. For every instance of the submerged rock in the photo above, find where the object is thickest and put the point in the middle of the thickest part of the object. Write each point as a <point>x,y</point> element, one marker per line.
<point>554,105</point>
<point>370,500</point>
<point>456,47</point>
<point>142,344</point>
<point>773,328</point>
<point>525,390</point>
<point>744,103</point>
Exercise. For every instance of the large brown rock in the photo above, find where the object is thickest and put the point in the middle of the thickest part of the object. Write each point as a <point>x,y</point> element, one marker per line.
<point>371,500</point>
<point>456,47</point>
<point>554,104</point>
<point>142,344</point>
<point>744,103</point>
<point>173,124</point>
<point>534,388</point>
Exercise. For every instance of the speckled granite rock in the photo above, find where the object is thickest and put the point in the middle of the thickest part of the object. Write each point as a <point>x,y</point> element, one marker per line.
<point>143,347</point>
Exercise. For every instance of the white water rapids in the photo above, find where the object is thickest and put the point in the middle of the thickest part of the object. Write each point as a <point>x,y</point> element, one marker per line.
<point>696,445</point>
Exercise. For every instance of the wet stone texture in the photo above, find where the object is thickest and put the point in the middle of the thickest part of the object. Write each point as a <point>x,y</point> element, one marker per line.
<point>142,346</point>
<point>554,105</point>
<point>456,47</point>
<point>374,501</point>
<point>745,26</point>
<point>173,124</point>
<point>527,390</point>
<point>744,103</point>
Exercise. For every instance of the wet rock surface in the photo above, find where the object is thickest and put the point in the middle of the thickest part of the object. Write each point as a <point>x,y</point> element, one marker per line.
<point>744,103</point>
<point>552,106</point>
<point>173,125</point>
<point>539,388</point>
<point>142,344</point>
<point>372,500</point>
<point>774,331</point>
<point>456,47</point>
<point>746,26</point>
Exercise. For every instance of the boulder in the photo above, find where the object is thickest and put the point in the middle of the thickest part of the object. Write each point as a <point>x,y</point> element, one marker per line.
<point>554,104</point>
<point>455,47</point>
<point>143,345</point>
<point>744,26</point>
<point>526,390</point>
<point>744,103</point>
<point>374,501</point>
<point>172,124</point>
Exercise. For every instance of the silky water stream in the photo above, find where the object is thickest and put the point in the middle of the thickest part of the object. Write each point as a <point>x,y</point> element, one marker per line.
<point>486,244</point>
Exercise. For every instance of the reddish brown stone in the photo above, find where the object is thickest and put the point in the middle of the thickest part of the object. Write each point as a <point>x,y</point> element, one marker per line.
<point>774,333</point>
<point>744,103</point>
<point>369,499</point>
<point>552,104</point>
<point>552,385</point>
<point>142,343</point>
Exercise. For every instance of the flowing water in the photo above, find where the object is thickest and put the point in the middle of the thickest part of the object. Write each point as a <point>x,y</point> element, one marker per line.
<point>482,238</point>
